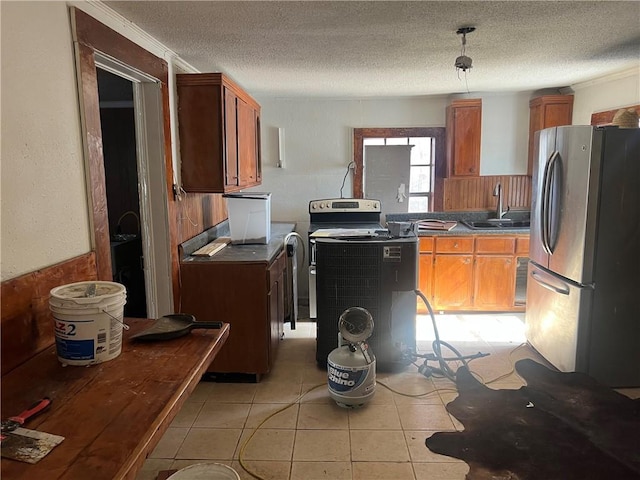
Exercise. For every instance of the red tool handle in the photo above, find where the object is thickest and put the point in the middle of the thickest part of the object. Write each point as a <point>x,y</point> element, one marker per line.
<point>33,410</point>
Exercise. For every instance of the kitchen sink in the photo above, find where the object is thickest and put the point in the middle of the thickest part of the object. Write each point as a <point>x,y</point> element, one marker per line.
<point>494,223</point>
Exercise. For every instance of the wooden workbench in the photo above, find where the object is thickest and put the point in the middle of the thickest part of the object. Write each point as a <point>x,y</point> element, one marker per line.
<point>112,414</point>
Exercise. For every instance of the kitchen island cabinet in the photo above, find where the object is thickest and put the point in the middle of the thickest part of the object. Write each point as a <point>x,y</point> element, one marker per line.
<point>219,127</point>
<point>472,271</point>
<point>243,284</point>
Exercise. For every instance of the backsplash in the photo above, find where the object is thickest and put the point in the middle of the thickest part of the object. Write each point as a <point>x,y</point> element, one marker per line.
<point>476,193</point>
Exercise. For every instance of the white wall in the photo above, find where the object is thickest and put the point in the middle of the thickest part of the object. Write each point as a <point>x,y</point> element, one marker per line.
<point>319,136</point>
<point>44,205</point>
<point>607,93</point>
<point>319,144</point>
<point>505,134</point>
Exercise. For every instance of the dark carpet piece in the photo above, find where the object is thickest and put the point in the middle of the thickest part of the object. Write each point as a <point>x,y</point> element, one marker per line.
<point>561,426</point>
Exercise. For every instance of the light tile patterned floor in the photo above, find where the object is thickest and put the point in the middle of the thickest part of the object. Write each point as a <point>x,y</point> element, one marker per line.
<point>315,439</point>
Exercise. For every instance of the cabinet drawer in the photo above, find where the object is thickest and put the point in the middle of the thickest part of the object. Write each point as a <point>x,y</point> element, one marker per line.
<point>454,244</point>
<point>426,244</point>
<point>495,244</point>
<point>522,245</point>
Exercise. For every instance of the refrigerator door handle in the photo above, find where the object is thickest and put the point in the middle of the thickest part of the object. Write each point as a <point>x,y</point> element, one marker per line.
<point>564,290</point>
<point>546,201</point>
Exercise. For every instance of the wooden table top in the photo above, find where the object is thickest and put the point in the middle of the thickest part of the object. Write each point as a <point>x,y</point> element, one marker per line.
<point>111,414</point>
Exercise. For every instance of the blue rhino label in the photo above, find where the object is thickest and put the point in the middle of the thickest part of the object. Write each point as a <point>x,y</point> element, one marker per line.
<point>343,379</point>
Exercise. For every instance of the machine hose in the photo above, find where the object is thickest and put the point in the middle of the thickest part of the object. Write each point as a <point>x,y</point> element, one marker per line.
<point>444,368</point>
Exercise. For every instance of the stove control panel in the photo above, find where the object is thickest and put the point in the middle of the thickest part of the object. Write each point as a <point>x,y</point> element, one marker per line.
<point>334,205</point>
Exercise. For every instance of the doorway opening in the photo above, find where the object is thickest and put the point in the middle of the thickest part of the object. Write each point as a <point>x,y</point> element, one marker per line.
<point>135,186</point>
<point>117,120</point>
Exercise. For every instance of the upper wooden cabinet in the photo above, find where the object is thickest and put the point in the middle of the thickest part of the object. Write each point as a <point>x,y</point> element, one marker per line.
<point>547,111</point>
<point>219,127</point>
<point>464,123</point>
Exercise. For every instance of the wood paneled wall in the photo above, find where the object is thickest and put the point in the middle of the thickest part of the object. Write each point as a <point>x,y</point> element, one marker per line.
<point>605,118</point>
<point>476,193</point>
<point>197,212</point>
<point>26,321</point>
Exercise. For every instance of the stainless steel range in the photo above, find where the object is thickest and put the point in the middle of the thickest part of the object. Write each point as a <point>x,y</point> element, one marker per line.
<point>336,218</point>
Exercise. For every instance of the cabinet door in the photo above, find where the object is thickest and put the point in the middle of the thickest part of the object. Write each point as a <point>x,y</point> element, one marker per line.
<point>235,293</point>
<point>201,120</point>
<point>464,122</point>
<point>247,144</point>
<point>547,111</point>
<point>219,134</point>
<point>453,281</point>
<point>425,280</point>
<point>230,139</point>
<point>494,283</point>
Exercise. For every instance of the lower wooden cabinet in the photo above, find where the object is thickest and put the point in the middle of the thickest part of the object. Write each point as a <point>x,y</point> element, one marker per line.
<point>494,282</point>
<point>250,297</point>
<point>472,272</point>
<point>425,270</point>
<point>453,281</point>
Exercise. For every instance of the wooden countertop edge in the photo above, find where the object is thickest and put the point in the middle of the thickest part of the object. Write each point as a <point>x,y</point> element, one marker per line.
<point>125,468</point>
<point>156,430</point>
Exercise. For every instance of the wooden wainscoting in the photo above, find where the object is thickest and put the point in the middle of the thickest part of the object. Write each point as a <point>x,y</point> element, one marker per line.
<point>476,193</point>
<point>26,321</point>
<point>606,117</point>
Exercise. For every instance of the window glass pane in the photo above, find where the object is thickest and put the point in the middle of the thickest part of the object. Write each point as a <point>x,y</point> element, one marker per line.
<point>421,153</point>
<point>373,141</point>
<point>397,141</point>
<point>420,180</point>
<point>418,204</point>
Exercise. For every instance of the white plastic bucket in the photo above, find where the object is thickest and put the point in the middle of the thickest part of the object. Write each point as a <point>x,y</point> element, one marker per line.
<point>206,471</point>
<point>88,329</point>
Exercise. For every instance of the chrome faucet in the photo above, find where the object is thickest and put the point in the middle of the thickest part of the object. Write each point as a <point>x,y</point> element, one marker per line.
<point>497,192</point>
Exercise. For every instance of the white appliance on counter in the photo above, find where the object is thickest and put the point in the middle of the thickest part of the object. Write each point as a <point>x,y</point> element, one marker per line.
<point>249,217</point>
<point>338,217</point>
<point>583,305</point>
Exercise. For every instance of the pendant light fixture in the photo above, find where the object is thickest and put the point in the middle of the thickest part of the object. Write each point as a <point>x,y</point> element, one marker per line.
<point>463,62</point>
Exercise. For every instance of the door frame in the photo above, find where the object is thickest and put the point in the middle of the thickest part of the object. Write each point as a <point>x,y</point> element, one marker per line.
<point>96,44</point>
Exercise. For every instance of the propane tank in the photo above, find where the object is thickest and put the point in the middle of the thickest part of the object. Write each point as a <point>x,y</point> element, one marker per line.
<point>351,368</point>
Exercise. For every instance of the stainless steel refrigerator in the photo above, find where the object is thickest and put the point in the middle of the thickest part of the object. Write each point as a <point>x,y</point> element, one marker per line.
<point>583,288</point>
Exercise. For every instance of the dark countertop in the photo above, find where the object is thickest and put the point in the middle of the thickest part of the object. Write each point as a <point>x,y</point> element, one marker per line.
<point>461,229</point>
<point>242,253</point>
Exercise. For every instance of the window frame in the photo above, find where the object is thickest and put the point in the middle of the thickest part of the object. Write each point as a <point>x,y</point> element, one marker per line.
<point>360,134</point>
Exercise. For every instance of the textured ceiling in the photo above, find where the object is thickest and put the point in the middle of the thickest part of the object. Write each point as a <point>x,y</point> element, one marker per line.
<point>388,49</point>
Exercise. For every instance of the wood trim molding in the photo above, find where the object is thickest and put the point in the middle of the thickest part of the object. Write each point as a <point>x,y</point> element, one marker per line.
<point>606,117</point>
<point>359,134</point>
<point>92,36</point>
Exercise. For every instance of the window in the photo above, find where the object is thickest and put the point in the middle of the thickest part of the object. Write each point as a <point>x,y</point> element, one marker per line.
<point>421,168</point>
<point>427,155</point>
